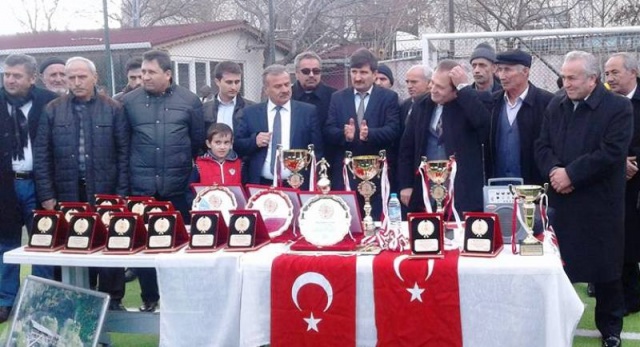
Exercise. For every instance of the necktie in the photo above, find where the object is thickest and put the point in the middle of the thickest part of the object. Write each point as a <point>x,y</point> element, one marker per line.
<point>360,111</point>
<point>276,137</point>
<point>21,131</point>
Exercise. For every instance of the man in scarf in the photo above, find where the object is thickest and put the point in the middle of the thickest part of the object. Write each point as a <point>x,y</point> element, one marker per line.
<point>21,103</point>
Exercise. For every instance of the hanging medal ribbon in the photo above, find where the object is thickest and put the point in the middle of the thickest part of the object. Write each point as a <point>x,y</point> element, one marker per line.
<point>345,174</point>
<point>384,191</point>
<point>312,174</point>
<point>425,186</point>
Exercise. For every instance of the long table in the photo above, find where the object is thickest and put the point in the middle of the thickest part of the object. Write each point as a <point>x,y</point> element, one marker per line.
<point>223,298</point>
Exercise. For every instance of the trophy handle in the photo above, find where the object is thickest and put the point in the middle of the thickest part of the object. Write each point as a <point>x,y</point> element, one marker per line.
<point>512,190</point>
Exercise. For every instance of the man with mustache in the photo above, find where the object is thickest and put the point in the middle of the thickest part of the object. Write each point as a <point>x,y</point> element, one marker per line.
<point>53,75</point>
<point>280,120</point>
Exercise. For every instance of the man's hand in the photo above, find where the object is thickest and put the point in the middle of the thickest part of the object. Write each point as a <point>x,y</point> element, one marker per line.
<point>49,204</point>
<point>458,76</point>
<point>263,139</point>
<point>405,196</point>
<point>364,131</point>
<point>350,130</point>
<point>632,168</point>
<point>560,181</point>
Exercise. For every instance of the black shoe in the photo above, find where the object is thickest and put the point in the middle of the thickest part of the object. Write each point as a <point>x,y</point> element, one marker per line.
<point>116,306</point>
<point>591,290</point>
<point>149,306</point>
<point>611,341</point>
<point>4,313</point>
<point>130,275</point>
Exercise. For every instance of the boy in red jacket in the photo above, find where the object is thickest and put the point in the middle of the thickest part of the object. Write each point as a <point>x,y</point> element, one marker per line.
<point>220,165</point>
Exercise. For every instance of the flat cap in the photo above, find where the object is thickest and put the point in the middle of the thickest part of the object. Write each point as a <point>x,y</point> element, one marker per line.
<point>50,61</point>
<point>514,57</point>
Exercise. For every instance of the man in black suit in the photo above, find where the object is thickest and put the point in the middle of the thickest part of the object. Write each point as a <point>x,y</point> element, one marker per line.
<point>227,102</point>
<point>451,121</point>
<point>21,104</point>
<point>362,119</point>
<point>309,88</point>
<point>621,73</point>
<point>516,119</point>
<point>280,120</point>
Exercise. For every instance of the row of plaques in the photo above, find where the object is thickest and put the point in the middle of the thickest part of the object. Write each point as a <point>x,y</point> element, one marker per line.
<point>482,234</point>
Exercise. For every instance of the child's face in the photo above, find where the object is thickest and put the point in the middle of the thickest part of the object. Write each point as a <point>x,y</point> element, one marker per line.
<point>220,145</point>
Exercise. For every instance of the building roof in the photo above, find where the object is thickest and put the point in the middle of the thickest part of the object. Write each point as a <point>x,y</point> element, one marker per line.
<point>121,38</point>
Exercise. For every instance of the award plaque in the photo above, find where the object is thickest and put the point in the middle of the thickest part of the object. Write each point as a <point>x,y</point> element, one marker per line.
<point>426,234</point>
<point>105,212</point>
<point>324,220</point>
<point>215,198</point>
<point>86,233</point>
<point>276,209</point>
<point>166,232</point>
<point>208,231</point>
<point>247,231</point>
<point>351,199</point>
<point>126,233</point>
<point>156,206</point>
<point>136,204</point>
<point>482,234</point>
<point>108,200</point>
<point>48,231</point>
<point>237,190</point>
<point>69,208</point>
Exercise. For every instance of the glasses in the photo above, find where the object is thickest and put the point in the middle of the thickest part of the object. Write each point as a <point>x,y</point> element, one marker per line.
<point>307,71</point>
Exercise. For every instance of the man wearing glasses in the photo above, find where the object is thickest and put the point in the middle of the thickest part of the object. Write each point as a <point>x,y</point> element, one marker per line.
<point>310,89</point>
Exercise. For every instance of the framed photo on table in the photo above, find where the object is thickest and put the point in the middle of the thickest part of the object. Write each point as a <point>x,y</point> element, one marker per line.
<point>53,313</point>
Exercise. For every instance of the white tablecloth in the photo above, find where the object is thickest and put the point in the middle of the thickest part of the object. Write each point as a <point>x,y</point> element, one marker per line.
<point>223,298</point>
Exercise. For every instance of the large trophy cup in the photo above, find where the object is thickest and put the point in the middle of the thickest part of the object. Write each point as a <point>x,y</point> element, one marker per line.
<point>366,167</point>
<point>296,160</point>
<point>438,172</point>
<point>530,193</point>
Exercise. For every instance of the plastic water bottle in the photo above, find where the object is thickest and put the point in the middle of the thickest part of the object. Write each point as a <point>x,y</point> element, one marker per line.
<point>395,214</point>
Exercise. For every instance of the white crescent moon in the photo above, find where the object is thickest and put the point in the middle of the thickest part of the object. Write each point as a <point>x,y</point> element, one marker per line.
<point>429,268</point>
<point>396,265</point>
<point>311,278</point>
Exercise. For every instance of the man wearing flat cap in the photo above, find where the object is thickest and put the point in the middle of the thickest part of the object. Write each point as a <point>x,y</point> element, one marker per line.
<point>516,119</point>
<point>53,76</point>
<point>482,62</point>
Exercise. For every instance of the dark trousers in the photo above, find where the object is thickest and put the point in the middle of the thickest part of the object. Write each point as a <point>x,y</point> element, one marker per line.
<point>609,307</point>
<point>108,280</point>
<point>631,286</point>
<point>148,277</point>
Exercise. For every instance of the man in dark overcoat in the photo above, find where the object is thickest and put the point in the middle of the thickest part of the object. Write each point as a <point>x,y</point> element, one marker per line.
<point>621,73</point>
<point>583,150</point>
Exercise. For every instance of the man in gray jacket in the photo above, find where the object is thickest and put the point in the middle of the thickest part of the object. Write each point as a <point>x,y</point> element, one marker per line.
<point>167,130</point>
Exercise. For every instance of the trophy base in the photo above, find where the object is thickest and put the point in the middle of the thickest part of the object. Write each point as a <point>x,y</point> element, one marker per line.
<point>531,249</point>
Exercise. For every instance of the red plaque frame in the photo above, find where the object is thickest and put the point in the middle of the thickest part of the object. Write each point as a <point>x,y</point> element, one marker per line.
<point>59,231</point>
<point>97,233</point>
<point>138,239</point>
<point>260,236</point>
<point>496,244</point>
<point>220,235</point>
<point>416,229</point>
<point>179,237</point>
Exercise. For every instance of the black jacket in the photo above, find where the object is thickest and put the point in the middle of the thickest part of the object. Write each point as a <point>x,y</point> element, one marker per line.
<point>529,120</point>
<point>10,216</point>
<point>632,197</point>
<point>464,124</point>
<point>210,110</point>
<point>592,144</point>
<point>167,132</point>
<point>55,156</point>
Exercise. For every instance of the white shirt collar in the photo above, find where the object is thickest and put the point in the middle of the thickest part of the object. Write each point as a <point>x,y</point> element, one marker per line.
<point>356,92</point>
<point>630,95</point>
<point>271,105</point>
<point>233,101</point>
<point>520,97</point>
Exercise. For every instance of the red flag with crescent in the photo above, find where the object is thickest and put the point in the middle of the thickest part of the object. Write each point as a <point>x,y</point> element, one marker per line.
<point>313,301</point>
<point>417,301</point>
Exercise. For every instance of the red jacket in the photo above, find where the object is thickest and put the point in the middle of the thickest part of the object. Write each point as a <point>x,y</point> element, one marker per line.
<point>212,171</point>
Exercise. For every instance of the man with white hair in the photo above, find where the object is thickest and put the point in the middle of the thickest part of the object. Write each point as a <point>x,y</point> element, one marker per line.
<point>82,149</point>
<point>621,73</point>
<point>583,148</point>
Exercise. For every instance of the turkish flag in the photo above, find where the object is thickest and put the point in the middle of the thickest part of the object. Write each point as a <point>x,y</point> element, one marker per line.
<point>417,302</point>
<point>313,301</point>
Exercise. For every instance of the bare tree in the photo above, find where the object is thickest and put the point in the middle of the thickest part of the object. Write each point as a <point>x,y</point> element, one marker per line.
<point>37,15</point>
<point>165,12</point>
<point>627,14</point>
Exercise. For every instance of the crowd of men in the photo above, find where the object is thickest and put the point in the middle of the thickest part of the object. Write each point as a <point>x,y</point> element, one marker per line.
<point>69,141</point>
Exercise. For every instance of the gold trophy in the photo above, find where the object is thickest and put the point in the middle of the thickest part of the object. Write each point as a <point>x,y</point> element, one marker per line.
<point>366,167</point>
<point>438,172</point>
<point>296,160</point>
<point>530,193</point>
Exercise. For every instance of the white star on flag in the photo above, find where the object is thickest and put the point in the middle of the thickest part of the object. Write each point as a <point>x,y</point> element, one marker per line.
<point>416,292</point>
<point>312,322</point>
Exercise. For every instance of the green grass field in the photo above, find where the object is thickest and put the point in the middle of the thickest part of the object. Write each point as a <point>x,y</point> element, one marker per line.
<point>132,300</point>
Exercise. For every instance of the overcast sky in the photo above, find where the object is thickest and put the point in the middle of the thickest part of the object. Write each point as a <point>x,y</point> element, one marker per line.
<point>71,14</point>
